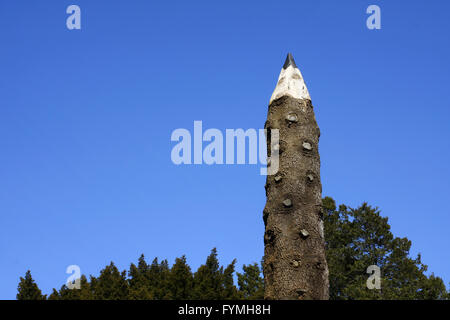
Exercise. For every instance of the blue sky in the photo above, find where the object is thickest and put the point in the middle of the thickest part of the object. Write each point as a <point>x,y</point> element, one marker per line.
<point>86,118</point>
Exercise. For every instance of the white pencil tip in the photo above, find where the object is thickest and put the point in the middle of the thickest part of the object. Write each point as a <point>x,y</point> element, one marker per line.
<point>290,82</point>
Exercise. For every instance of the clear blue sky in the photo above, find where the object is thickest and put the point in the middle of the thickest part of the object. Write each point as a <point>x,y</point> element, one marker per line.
<point>86,118</point>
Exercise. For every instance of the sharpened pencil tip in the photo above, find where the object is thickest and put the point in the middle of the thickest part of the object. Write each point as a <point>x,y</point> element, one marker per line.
<point>290,82</point>
<point>289,61</point>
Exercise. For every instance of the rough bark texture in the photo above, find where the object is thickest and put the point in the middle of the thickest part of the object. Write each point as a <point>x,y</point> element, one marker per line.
<point>294,256</point>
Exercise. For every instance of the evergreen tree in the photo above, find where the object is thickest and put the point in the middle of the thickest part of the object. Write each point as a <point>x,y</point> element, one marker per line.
<point>54,295</point>
<point>84,293</point>
<point>229,291</point>
<point>180,280</point>
<point>138,281</point>
<point>110,285</point>
<point>28,289</point>
<point>158,278</point>
<point>164,292</point>
<point>208,279</point>
<point>212,282</point>
<point>251,284</point>
<point>433,288</point>
<point>355,239</point>
<point>358,238</point>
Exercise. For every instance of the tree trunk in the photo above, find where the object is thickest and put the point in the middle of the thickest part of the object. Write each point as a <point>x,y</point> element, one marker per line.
<point>294,255</point>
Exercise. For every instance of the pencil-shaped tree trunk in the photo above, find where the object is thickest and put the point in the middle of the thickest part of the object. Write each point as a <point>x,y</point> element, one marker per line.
<point>294,255</point>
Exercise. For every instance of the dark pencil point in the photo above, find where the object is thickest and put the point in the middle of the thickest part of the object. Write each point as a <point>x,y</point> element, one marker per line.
<point>289,61</point>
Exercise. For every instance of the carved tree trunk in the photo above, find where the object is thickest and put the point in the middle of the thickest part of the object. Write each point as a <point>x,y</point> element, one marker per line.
<point>294,256</point>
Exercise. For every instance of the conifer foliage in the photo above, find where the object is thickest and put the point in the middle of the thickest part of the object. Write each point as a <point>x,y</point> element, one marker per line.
<point>28,289</point>
<point>361,237</point>
<point>355,239</point>
<point>159,281</point>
